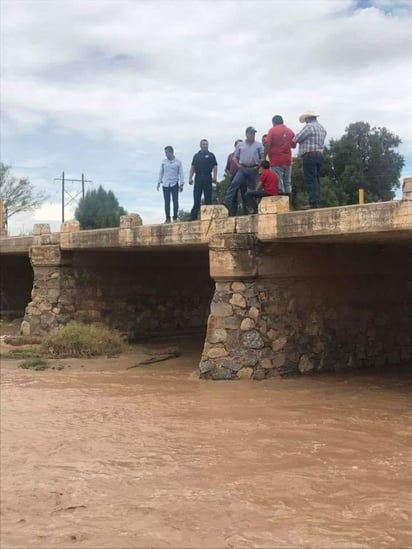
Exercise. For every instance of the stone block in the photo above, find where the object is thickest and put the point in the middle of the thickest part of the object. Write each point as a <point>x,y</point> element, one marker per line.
<point>216,336</point>
<point>305,364</point>
<point>221,309</point>
<point>45,255</point>
<point>72,226</point>
<point>254,313</point>
<point>130,221</point>
<point>407,189</point>
<point>25,328</point>
<point>207,213</point>
<point>245,373</point>
<point>238,300</point>
<point>252,340</point>
<point>273,205</point>
<point>238,287</point>
<point>41,229</point>
<point>217,351</point>
<point>222,374</point>
<point>247,324</point>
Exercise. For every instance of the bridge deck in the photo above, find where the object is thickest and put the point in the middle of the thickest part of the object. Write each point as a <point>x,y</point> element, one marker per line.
<point>378,222</point>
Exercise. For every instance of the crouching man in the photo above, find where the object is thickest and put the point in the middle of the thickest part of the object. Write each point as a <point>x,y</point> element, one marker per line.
<point>268,185</point>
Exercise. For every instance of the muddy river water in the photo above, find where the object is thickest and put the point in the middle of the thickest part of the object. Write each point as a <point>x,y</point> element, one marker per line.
<point>100,456</point>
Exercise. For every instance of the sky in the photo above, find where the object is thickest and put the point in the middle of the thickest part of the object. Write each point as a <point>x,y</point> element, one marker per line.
<point>100,87</point>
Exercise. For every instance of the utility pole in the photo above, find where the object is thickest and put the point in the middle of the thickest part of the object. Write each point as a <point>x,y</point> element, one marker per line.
<point>68,196</point>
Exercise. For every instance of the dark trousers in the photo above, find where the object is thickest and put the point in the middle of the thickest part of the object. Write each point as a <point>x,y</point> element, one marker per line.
<point>203,185</point>
<point>174,193</point>
<point>244,176</point>
<point>242,190</point>
<point>312,164</point>
<point>253,198</point>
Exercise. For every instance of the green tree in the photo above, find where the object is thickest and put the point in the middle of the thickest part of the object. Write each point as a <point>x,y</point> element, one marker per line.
<point>18,195</point>
<point>99,209</point>
<point>366,157</point>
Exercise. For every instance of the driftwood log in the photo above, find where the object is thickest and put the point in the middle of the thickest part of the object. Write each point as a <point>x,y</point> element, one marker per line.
<point>160,356</point>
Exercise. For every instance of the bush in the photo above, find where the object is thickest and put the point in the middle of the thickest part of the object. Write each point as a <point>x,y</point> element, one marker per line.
<point>37,364</point>
<point>83,340</point>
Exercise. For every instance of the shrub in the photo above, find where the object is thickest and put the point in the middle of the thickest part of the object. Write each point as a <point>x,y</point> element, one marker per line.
<point>37,364</point>
<point>83,340</point>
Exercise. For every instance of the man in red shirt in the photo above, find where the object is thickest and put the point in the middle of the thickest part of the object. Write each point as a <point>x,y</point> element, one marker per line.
<point>268,185</point>
<point>279,143</point>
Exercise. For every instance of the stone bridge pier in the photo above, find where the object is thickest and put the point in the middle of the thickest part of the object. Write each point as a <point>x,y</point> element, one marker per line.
<point>142,294</point>
<point>283,310</point>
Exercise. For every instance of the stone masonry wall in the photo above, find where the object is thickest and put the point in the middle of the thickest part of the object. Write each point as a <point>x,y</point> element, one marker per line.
<point>140,294</point>
<point>343,308</point>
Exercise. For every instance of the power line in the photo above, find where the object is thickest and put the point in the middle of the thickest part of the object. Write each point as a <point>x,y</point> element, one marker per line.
<point>67,196</point>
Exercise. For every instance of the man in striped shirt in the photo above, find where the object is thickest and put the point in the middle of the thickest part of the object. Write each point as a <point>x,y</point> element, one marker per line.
<point>311,140</point>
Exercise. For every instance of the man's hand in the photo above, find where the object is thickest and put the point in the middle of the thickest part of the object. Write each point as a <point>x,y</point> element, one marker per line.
<point>158,186</point>
<point>214,180</point>
<point>180,188</point>
<point>190,181</point>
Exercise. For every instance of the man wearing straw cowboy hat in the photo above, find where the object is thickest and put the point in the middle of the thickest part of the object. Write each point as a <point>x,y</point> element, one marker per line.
<point>311,140</point>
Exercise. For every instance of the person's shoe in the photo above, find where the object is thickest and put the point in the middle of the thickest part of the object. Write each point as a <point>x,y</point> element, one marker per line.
<point>229,208</point>
<point>176,220</point>
<point>168,220</point>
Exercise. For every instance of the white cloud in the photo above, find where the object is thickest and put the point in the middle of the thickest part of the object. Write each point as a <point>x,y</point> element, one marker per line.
<point>140,74</point>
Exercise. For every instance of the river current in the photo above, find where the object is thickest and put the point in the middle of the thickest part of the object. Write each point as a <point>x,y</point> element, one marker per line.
<point>100,456</point>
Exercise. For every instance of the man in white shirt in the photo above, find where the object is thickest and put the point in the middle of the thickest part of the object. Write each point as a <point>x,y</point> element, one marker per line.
<point>171,179</point>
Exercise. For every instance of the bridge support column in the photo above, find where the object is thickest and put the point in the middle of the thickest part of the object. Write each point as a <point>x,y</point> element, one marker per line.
<point>236,344</point>
<point>50,298</point>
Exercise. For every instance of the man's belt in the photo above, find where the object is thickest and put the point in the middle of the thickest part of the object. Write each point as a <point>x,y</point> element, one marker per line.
<point>312,152</point>
<point>253,166</point>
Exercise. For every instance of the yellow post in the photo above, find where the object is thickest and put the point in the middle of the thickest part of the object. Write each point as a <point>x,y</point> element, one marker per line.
<point>361,196</point>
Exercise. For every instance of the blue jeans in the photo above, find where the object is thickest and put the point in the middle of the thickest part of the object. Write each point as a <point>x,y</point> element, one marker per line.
<point>244,176</point>
<point>284,174</point>
<point>203,185</point>
<point>174,193</point>
<point>243,198</point>
<point>253,198</point>
<point>312,164</point>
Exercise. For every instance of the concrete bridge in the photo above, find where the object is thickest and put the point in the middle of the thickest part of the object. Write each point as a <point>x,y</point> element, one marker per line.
<point>277,293</point>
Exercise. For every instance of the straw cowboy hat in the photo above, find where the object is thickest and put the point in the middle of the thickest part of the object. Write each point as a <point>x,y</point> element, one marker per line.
<point>307,114</point>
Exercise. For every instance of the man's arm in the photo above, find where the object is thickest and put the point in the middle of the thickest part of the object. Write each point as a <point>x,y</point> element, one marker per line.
<point>192,171</point>
<point>159,181</point>
<point>266,149</point>
<point>259,185</point>
<point>236,157</point>
<point>227,168</point>
<point>181,177</point>
<point>261,152</point>
<point>304,132</point>
<point>214,174</point>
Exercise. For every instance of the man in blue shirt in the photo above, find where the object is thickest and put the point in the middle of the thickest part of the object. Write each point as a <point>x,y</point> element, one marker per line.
<point>171,178</point>
<point>248,156</point>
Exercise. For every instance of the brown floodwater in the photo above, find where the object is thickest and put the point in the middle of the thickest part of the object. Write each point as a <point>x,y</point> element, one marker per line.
<point>100,456</point>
